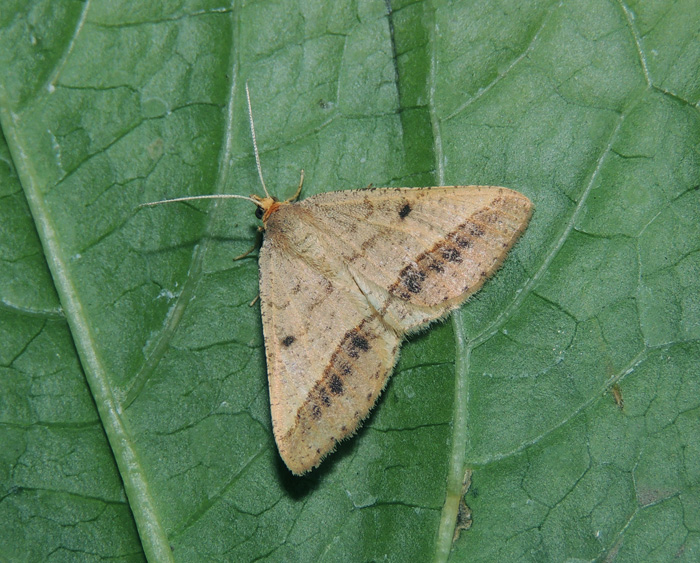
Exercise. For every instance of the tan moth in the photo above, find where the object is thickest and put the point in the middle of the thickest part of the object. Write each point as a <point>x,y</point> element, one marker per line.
<point>345,276</point>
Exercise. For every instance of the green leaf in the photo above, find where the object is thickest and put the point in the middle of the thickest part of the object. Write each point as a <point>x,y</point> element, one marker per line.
<point>134,415</point>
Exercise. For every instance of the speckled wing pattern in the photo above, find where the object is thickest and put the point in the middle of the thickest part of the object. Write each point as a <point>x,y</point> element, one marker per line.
<point>344,276</point>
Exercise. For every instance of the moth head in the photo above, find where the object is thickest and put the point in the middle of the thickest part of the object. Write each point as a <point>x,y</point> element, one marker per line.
<point>266,206</point>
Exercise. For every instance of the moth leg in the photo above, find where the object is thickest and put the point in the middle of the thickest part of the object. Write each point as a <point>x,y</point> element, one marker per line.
<point>245,253</point>
<point>254,301</point>
<point>255,245</point>
<point>301,183</point>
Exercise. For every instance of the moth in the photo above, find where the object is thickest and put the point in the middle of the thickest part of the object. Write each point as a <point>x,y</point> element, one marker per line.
<point>345,276</point>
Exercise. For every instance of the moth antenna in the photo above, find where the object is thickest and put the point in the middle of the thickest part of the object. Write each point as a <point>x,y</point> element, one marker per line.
<point>190,198</point>
<point>255,142</point>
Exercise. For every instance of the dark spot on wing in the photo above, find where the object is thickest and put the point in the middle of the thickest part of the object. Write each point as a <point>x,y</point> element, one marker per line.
<point>288,341</point>
<point>336,385</point>
<point>451,254</point>
<point>404,211</point>
<point>437,266</point>
<point>412,278</point>
<point>359,342</point>
<point>460,239</point>
<point>324,397</point>
<point>476,231</point>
